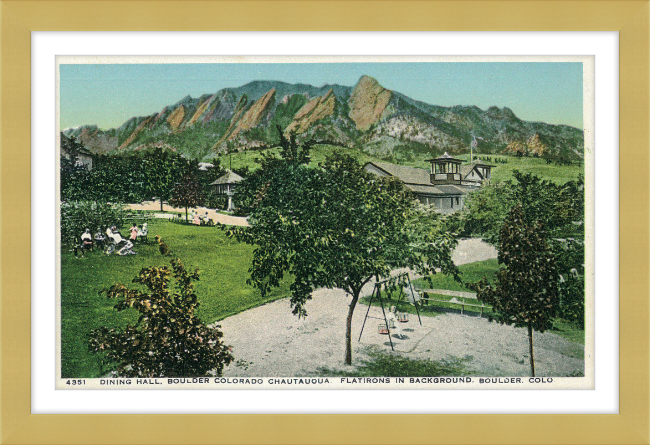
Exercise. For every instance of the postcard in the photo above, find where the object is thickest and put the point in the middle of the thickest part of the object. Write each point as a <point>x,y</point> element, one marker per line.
<point>325,223</point>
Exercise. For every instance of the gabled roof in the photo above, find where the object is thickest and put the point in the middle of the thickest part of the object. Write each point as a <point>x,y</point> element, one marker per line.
<point>466,169</point>
<point>228,178</point>
<point>408,175</point>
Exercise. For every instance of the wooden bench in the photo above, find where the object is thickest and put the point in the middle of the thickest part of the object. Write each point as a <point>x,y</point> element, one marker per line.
<point>454,300</point>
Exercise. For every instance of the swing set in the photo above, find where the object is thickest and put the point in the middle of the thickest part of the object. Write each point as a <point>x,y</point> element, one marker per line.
<point>389,285</point>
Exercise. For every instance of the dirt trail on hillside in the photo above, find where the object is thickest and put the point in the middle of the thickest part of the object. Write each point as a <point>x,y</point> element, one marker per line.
<point>269,341</point>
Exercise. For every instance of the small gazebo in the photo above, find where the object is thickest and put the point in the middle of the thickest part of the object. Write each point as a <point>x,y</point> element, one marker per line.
<point>225,185</point>
<point>445,170</point>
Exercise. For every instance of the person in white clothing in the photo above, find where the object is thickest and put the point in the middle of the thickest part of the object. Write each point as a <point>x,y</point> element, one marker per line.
<point>86,243</point>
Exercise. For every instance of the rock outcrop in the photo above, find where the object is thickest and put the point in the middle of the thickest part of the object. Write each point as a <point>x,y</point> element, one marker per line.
<point>316,109</point>
<point>176,118</point>
<point>368,103</point>
<point>137,131</point>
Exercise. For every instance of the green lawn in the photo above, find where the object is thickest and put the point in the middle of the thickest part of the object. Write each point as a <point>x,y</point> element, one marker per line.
<point>223,264</point>
<point>556,173</point>
<point>553,172</point>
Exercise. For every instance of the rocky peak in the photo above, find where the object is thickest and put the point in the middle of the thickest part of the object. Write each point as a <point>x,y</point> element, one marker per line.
<point>368,102</point>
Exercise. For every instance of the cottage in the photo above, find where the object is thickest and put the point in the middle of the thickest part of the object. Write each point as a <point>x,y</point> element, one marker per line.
<point>445,185</point>
<point>71,148</point>
<point>225,186</point>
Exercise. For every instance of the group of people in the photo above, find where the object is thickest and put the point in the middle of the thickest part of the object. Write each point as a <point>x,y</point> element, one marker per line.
<point>201,220</point>
<point>113,239</point>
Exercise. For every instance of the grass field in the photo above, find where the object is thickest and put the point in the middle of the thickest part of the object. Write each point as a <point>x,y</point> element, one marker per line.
<point>556,173</point>
<point>222,290</point>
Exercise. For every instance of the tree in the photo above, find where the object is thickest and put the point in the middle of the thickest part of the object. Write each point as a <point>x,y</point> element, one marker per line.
<point>560,210</point>
<point>526,291</point>
<point>188,192</point>
<point>74,177</point>
<point>163,169</point>
<point>335,226</point>
<point>168,339</point>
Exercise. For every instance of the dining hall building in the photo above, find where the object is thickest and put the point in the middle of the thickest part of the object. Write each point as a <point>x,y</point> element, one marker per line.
<point>445,185</point>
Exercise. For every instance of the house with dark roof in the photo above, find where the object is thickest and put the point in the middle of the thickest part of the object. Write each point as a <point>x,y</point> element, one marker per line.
<point>445,185</point>
<point>70,148</point>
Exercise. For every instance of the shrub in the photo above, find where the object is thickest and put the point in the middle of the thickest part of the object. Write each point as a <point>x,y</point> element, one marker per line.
<point>168,340</point>
<point>76,216</point>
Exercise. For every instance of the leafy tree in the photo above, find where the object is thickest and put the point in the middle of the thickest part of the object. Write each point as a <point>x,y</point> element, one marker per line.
<point>560,210</point>
<point>525,292</point>
<point>335,226</point>
<point>163,169</point>
<point>75,179</point>
<point>118,178</point>
<point>188,192</point>
<point>168,339</point>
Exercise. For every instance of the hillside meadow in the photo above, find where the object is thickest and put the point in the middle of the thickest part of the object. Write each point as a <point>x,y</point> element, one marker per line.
<point>501,172</point>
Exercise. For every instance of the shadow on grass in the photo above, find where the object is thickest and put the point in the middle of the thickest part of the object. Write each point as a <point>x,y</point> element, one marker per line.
<point>385,364</point>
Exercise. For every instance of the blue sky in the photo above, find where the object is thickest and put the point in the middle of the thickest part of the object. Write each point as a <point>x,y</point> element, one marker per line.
<point>107,95</point>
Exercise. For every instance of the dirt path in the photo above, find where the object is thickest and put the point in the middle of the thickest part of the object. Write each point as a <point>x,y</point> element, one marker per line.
<point>216,217</point>
<point>269,341</point>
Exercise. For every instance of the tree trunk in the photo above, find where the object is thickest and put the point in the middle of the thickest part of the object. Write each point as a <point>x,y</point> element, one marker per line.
<point>186,218</point>
<point>530,344</point>
<point>161,204</point>
<point>348,329</point>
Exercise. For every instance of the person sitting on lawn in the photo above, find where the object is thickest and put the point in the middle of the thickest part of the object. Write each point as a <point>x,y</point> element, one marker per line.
<point>196,220</point>
<point>86,243</point>
<point>126,248</point>
<point>114,238</point>
<point>143,232</point>
<point>100,239</point>
<point>124,245</point>
<point>134,233</point>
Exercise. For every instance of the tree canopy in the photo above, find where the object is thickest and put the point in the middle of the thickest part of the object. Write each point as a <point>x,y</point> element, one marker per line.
<point>558,212</point>
<point>525,292</point>
<point>187,192</point>
<point>334,226</point>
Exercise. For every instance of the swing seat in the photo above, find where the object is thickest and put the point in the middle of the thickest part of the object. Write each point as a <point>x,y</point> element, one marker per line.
<point>402,317</point>
<point>382,329</point>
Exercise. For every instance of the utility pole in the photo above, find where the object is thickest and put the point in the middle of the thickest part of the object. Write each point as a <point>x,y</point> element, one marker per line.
<point>473,145</point>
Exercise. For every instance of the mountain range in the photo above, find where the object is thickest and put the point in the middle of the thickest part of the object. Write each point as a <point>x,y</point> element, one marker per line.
<point>366,116</point>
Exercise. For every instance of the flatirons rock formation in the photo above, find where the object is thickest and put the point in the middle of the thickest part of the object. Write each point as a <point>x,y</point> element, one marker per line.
<point>366,116</point>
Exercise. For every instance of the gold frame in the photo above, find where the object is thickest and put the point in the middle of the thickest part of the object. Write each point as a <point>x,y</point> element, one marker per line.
<point>629,18</point>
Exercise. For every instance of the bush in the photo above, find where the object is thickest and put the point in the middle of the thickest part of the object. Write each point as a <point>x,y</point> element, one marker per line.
<point>168,340</point>
<point>76,216</point>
